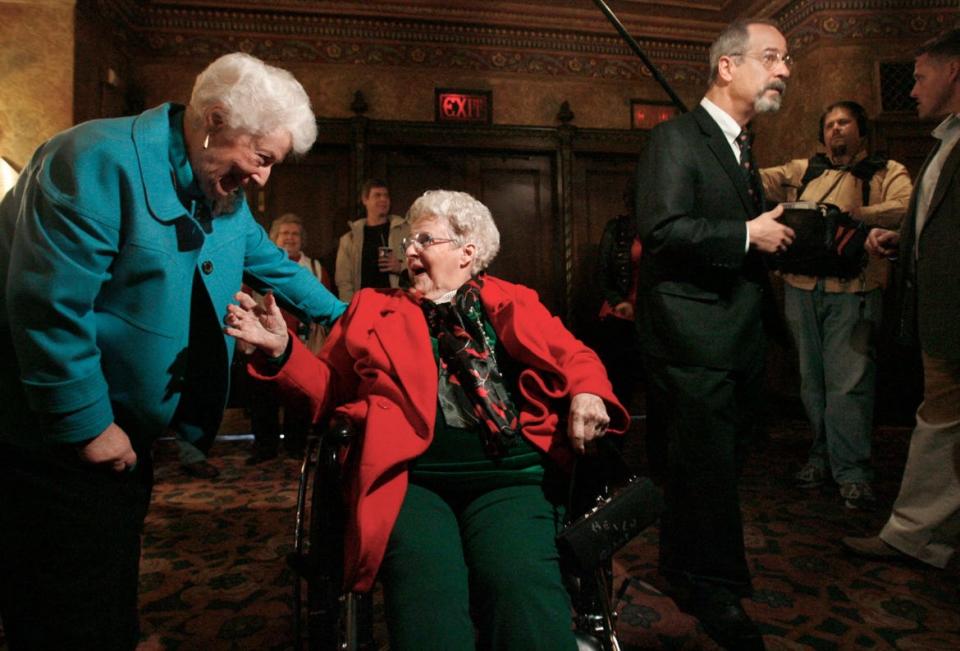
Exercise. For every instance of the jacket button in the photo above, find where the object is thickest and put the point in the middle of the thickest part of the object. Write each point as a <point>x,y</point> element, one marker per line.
<point>207,267</point>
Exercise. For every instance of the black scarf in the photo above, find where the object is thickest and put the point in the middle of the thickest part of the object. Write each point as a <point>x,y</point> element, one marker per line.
<point>468,357</point>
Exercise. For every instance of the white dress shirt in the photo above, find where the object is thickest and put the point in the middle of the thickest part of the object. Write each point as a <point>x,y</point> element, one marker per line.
<point>731,130</point>
<point>948,133</point>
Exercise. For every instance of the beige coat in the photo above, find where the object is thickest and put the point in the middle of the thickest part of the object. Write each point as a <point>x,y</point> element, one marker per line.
<point>347,273</point>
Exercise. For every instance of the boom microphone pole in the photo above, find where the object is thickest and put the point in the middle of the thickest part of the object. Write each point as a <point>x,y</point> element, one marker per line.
<point>640,53</point>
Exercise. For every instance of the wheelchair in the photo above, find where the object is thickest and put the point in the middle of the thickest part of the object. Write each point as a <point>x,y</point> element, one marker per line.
<point>327,619</point>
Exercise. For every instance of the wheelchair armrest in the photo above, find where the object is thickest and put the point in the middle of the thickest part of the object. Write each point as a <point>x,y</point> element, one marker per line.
<point>340,431</point>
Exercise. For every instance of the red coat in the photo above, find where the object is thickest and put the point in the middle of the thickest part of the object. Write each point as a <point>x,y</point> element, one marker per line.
<point>378,365</point>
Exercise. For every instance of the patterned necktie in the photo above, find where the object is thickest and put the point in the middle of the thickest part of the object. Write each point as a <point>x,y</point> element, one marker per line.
<point>745,142</point>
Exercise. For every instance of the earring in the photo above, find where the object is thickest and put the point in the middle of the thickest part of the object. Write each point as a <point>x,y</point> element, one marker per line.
<point>206,141</point>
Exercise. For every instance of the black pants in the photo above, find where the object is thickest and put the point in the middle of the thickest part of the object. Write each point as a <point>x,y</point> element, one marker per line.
<point>265,403</point>
<point>708,416</point>
<point>70,550</point>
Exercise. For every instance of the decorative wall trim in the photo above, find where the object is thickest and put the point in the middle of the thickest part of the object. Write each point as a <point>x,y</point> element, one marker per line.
<point>500,60</point>
<point>165,32</point>
<point>310,32</point>
<point>807,23</point>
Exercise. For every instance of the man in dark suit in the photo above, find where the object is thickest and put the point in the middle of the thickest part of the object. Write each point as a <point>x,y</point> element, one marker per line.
<point>700,216</point>
<point>925,522</point>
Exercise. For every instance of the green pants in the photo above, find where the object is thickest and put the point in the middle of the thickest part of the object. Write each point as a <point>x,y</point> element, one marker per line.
<point>489,553</point>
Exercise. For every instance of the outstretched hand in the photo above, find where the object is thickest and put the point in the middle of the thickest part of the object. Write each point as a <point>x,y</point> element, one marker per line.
<point>260,326</point>
<point>882,242</point>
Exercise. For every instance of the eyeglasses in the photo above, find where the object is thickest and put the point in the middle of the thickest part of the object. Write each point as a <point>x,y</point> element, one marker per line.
<point>769,58</point>
<point>421,240</point>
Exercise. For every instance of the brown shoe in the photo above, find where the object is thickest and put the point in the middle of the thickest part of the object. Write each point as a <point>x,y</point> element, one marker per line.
<point>873,548</point>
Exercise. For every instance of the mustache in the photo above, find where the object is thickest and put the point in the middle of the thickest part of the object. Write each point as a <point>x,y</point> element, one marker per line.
<point>776,84</point>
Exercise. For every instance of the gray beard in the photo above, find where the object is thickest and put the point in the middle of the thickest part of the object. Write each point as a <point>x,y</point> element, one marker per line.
<point>764,104</point>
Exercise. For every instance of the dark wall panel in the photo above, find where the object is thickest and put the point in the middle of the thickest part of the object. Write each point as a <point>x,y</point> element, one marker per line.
<point>599,181</point>
<point>518,192</point>
<point>317,189</point>
<point>518,189</point>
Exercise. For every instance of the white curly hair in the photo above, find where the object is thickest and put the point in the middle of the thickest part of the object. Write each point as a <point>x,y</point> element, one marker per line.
<point>259,99</point>
<point>469,220</point>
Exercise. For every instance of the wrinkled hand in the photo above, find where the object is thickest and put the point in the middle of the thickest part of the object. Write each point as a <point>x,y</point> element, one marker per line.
<point>256,325</point>
<point>624,310</point>
<point>389,263</point>
<point>881,242</point>
<point>767,234</point>
<point>588,420</point>
<point>109,448</point>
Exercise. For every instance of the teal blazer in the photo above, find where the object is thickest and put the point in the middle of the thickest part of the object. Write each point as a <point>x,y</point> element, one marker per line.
<point>98,257</point>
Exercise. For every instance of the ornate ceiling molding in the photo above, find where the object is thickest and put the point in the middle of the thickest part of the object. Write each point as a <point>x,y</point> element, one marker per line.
<point>901,23</point>
<point>579,15</point>
<point>164,32</point>
<point>411,35</point>
<point>455,57</point>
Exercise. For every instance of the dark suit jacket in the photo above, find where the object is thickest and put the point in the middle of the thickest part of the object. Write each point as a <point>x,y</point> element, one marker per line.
<point>701,290</point>
<point>930,285</point>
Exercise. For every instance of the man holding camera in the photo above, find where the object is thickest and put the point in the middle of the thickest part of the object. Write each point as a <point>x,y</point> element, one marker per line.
<point>834,318</point>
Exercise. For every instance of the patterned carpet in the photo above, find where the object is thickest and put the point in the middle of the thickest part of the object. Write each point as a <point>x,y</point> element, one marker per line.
<point>808,593</point>
<point>213,575</point>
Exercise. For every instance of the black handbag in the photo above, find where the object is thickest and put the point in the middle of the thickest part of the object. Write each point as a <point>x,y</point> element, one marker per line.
<point>613,521</point>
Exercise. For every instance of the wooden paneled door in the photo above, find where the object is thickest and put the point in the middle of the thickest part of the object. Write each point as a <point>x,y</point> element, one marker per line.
<point>517,187</point>
<point>599,183</point>
<point>317,188</point>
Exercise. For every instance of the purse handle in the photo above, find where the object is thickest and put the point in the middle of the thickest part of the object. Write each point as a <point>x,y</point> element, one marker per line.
<point>605,448</point>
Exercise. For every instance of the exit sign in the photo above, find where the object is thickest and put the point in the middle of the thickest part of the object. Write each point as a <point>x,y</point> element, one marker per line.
<point>464,106</point>
<point>646,115</point>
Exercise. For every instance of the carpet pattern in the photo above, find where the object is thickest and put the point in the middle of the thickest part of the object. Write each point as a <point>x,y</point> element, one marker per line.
<point>808,593</point>
<point>213,576</point>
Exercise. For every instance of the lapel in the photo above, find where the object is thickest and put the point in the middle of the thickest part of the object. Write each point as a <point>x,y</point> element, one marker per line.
<point>151,136</point>
<point>403,334</point>
<point>717,143</point>
<point>909,225</point>
<point>943,181</point>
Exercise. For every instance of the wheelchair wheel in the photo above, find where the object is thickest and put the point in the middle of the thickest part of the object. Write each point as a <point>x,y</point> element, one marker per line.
<point>595,618</point>
<point>324,619</point>
<point>297,559</point>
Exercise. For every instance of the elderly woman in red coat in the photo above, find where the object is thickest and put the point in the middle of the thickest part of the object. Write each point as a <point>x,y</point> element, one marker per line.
<point>472,399</point>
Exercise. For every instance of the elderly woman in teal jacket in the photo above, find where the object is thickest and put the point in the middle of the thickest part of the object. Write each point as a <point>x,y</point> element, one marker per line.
<point>120,248</point>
